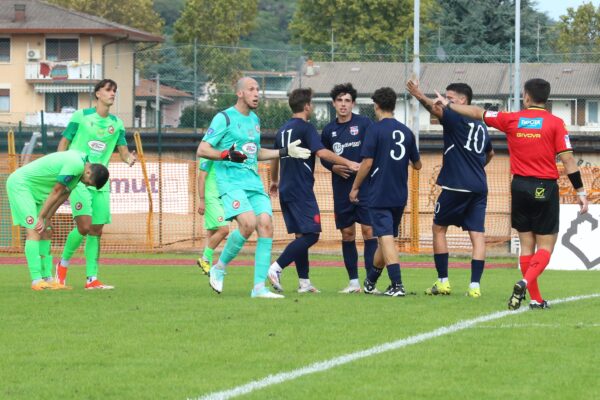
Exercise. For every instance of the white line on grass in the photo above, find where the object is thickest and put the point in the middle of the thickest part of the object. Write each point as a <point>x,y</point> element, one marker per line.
<point>382,348</point>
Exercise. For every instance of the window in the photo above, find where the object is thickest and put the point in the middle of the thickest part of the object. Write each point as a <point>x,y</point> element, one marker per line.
<point>61,102</point>
<point>592,112</point>
<point>4,50</point>
<point>62,49</point>
<point>4,100</point>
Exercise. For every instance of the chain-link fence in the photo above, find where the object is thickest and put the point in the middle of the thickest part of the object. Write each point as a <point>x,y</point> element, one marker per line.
<point>171,92</point>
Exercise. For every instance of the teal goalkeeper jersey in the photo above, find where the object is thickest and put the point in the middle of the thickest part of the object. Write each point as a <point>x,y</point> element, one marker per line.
<point>243,131</point>
<point>95,135</point>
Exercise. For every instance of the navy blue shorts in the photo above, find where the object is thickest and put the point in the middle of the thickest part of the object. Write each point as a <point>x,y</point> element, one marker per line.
<point>347,214</point>
<point>464,209</point>
<point>301,216</point>
<point>386,220</point>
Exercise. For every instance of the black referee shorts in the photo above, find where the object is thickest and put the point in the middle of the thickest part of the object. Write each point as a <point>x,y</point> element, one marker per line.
<point>535,205</point>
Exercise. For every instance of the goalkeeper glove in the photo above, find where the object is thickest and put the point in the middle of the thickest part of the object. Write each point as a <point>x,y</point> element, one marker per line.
<point>233,155</point>
<point>294,151</point>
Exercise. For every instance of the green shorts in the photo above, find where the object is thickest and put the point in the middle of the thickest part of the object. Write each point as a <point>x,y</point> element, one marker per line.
<point>95,203</point>
<point>214,215</point>
<point>240,201</point>
<point>23,207</point>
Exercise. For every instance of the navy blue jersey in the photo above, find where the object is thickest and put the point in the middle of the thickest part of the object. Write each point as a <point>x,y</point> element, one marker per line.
<point>466,142</point>
<point>345,140</point>
<point>391,145</point>
<point>296,175</point>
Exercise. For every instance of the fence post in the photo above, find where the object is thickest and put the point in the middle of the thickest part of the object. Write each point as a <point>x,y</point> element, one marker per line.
<point>44,134</point>
<point>160,183</point>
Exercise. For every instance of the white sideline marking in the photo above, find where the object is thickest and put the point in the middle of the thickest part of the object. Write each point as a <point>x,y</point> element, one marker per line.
<point>382,348</point>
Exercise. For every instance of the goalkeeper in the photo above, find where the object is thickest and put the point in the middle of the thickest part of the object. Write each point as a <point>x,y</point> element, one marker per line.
<point>233,139</point>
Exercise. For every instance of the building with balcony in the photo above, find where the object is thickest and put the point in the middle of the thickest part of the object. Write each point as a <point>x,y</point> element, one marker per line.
<point>51,58</point>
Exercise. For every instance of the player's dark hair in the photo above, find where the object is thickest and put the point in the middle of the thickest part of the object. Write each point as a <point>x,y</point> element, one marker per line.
<point>99,175</point>
<point>112,85</point>
<point>462,88</point>
<point>341,89</point>
<point>385,98</point>
<point>538,89</point>
<point>299,98</point>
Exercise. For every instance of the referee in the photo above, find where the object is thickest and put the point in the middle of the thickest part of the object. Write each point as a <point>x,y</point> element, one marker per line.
<point>535,138</point>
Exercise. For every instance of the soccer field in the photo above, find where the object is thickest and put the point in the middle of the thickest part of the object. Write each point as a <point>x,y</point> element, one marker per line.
<point>163,334</point>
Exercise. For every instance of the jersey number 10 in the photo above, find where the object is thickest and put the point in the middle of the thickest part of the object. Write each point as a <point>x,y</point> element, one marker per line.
<point>474,138</point>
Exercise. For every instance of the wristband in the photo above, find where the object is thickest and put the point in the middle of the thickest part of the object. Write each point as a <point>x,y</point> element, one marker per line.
<point>283,152</point>
<point>575,179</point>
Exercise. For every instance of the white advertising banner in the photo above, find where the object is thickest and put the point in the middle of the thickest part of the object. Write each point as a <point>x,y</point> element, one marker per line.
<point>578,244</point>
<point>128,190</point>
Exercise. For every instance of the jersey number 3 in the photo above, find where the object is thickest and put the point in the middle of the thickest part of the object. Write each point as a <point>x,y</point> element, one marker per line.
<point>398,136</point>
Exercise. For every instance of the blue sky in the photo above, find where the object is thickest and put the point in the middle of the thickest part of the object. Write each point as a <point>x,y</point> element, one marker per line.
<point>556,8</point>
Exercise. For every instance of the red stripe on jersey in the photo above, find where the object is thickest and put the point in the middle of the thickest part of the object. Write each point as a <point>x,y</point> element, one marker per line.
<point>534,138</point>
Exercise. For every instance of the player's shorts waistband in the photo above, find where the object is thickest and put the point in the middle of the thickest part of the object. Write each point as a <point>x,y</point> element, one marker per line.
<point>531,178</point>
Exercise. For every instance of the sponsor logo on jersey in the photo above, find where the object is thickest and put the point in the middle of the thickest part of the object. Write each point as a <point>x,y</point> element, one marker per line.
<point>250,148</point>
<point>491,114</point>
<point>334,134</point>
<point>338,148</point>
<point>354,130</point>
<point>210,131</point>
<point>567,142</point>
<point>29,220</point>
<point>235,204</point>
<point>524,135</point>
<point>97,145</point>
<point>530,123</point>
<point>540,193</point>
<point>68,178</point>
<point>111,130</point>
<point>78,206</point>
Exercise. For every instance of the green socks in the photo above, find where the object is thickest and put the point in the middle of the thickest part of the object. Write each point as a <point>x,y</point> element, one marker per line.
<point>208,255</point>
<point>72,244</point>
<point>92,253</point>
<point>262,259</point>
<point>45,259</point>
<point>234,244</point>
<point>32,254</point>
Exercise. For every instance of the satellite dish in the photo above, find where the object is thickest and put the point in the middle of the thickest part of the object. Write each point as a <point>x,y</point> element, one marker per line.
<point>441,53</point>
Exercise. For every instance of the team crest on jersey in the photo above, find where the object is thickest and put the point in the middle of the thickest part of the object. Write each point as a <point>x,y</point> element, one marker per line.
<point>235,204</point>
<point>354,130</point>
<point>78,206</point>
<point>220,219</point>
<point>111,130</point>
<point>29,220</point>
<point>249,148</point>
<point>210,131</point>
<point>68,178</point>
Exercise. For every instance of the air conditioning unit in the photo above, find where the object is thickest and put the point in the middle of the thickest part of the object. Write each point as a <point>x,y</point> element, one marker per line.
<point>33,54</point>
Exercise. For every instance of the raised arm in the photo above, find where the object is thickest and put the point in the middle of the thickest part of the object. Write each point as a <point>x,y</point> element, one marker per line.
<point>431,106</point>
<point>473,112</point>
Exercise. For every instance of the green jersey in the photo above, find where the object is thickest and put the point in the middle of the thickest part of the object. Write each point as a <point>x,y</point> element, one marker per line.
<point>95,135</point>
<point>211,192</point>
<point>40,176</point>
<point>243,131</point>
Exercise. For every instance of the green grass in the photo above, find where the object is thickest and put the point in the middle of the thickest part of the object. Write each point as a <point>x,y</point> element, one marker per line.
<point>163,334</point>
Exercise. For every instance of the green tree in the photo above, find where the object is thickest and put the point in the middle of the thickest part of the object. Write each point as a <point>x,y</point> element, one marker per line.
<point>217,23</point>
<point>483,30</point>
<point>358,26</point>
<point>134,13</point>
<point>578,33</point>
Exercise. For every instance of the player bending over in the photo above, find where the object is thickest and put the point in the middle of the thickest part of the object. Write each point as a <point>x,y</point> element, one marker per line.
<point>388,149</point>
<point>36,191</point>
